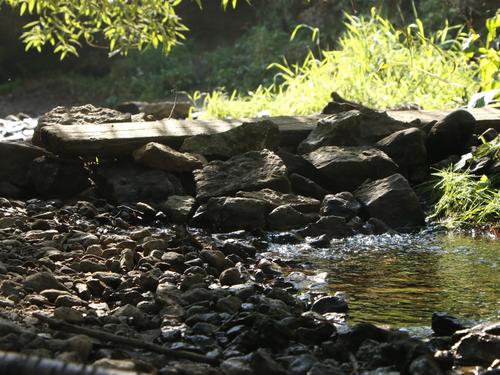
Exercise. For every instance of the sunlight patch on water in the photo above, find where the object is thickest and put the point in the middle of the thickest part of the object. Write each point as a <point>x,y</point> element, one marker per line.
<point>401,279</point>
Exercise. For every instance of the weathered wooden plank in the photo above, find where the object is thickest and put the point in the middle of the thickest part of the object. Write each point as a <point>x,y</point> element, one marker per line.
<point>485,117</point>
<point>122,138</point>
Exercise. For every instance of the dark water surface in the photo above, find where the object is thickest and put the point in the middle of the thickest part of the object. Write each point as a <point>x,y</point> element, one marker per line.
<point>400,280</point>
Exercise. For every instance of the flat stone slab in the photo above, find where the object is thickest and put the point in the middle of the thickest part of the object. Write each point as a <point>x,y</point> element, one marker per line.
<point>119,139</point>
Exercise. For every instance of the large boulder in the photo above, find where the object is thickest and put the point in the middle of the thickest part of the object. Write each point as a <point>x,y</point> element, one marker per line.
<point>346,168</point>
<point>178,207</point>
<point>287,217</point>
<point>393,201</point>
<point>55,177</point>
<point>479,345</point>
<point>329,226</point>
<point>342,204</point>
<point>352,128</point>
<point>15,162</point>
<point>158,156</point>
<point>251,171</point>
<point>228,214</point>
<point>450,136</point>
<point>80,115</point>
<point>307,187</point>
<point>251,136</point>
<point>128,183</point>
<point>275,199</point>
<point>406,147</point>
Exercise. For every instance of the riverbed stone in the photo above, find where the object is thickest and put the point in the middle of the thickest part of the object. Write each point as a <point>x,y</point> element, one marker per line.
<point>393,201</point>
<point>405,147</point>
<point>250,171</point>
<point>477,348</point>
<point>77,115</point>
<point>346,168</point>
<point>231,276</point>
<point>304,186</point>
<point>43,280</point>
<point>450,135</point>
<point>250,136</point>
<point>351,128</point>
<point>55,177</point>
<point>342,204</point>
<point>274,199</point>
<point>15,162</point>
<point>228,214</point>
<point>444,324</point>
<point>158,156</point>
<point>329,304</point>
<point>178,208</point>
<point>120,182</point>
<point>329,226</point>
<point>287,217</point>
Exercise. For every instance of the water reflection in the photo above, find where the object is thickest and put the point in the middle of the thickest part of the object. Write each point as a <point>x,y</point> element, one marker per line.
<point>400,280</point>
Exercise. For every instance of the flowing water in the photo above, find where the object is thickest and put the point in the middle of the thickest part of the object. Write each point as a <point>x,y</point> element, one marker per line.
<point>399,280</point>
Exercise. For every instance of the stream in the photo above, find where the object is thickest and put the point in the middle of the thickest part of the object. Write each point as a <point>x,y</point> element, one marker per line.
<point>400,280</point>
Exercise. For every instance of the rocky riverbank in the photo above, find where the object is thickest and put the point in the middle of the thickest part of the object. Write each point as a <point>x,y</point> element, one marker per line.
<point>153,262</point>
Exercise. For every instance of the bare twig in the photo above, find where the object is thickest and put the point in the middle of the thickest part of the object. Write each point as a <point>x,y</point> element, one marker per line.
<point>106,336</point>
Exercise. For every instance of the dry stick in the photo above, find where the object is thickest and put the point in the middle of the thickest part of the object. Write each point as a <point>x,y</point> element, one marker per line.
<point>105,336</point>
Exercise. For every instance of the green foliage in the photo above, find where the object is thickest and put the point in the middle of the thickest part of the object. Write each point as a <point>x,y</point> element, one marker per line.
<point>375,64</point>
<point>488,57</point>
<point>467,199</point>
<point>119,25</point>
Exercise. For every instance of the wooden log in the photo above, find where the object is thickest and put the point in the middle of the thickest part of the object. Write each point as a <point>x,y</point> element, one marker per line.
<point>121,139</point>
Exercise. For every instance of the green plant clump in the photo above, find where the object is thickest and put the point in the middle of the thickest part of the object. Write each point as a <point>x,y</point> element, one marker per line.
<point>467,199</point>
<point>375,64</point>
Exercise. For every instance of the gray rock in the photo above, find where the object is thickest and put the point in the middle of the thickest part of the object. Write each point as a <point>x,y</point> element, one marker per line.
<point>41,281</point>
<point>450,135</point>
<point>444,324</point>
<point>179,208</point>
<point>249,172</point>
<point>287,217</point>
<point>54,177</point>
<point>352,128</point>
<point>331,226</point>
<point>346,168</point>
<point>214,258</point>
<point>405,147</point>
<point>82,115</point>
<point>342,204</point>
<point>133,315</point>
<point>229,304</point>
<point>231,276</point>
<point>330,304</point>
<point>425,365</point>
<point>307,187</point>
<point>15,162</point>
<point>127,183</point>
<point>263,363</point>
<point>158,156</point>
<point>393,201</point>
<point>251,136</point>
<point>231,214</point>
<point>275,199</point>
<point>477,348</point>
<point>237,366</point>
